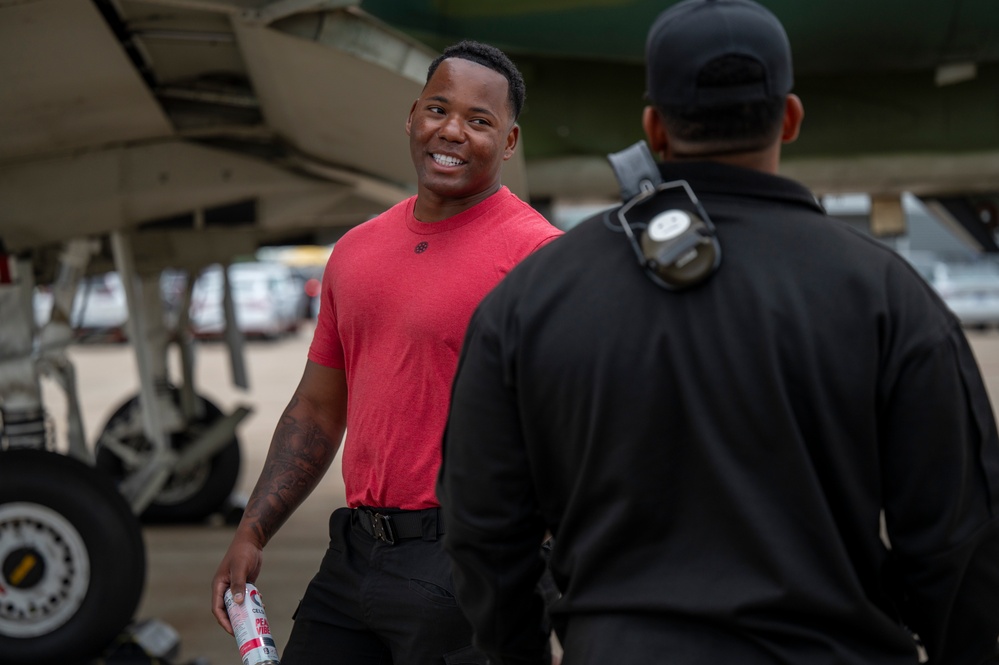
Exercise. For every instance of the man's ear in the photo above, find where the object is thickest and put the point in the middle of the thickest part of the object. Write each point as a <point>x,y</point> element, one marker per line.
<point>655,132</point>
<point>511,141</point>
<point>409,118</point>
<point>794,113</point>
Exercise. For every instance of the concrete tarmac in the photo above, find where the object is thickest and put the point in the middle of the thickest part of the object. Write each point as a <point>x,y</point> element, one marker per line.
<point>182,559</point>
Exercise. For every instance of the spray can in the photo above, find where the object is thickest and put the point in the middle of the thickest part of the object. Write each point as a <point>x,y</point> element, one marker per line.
<point>249,625</point>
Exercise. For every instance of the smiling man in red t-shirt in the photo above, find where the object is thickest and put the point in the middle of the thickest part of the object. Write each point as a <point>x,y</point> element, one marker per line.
<point>397,296</point>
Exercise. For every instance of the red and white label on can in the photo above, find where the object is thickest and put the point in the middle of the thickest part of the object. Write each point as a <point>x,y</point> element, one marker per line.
<point>249,625</point>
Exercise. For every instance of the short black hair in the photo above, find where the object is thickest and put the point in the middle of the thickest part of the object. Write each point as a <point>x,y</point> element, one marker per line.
<point>745,126</point>
<point>493,58</point>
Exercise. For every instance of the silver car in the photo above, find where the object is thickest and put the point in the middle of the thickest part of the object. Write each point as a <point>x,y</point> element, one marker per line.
<point>265,296</point>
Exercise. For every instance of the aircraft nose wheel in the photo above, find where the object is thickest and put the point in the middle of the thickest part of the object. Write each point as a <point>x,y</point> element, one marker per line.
<point>72,559</point>
<point>189,495</point>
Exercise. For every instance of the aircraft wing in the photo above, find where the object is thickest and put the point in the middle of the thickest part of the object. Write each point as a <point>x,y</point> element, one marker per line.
<point>273,121</point>
<point>898,95</point>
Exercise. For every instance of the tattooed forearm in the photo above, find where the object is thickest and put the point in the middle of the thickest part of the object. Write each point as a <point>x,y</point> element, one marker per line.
<point>300,453</point>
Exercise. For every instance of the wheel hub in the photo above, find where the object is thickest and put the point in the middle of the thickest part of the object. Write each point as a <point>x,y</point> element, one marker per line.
<point>45,570</point>
<point>23,568</point>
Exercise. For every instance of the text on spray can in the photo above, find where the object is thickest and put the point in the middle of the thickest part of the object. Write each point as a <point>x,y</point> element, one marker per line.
<point>249,625</point>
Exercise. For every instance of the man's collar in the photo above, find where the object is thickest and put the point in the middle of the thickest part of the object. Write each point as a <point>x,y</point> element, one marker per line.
<point>706,177</point>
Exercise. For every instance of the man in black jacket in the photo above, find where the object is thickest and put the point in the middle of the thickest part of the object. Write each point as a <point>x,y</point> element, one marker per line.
<point>768,445</point>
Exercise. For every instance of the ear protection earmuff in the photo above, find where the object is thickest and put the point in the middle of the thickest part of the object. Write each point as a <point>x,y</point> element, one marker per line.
<point>678,248</point>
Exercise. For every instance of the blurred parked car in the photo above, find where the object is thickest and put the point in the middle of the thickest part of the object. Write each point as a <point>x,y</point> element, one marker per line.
<point>100,310</point>
<point>173,287</point>
<point>266,298</point>
<point>970,290</point>
<point>310,282</point>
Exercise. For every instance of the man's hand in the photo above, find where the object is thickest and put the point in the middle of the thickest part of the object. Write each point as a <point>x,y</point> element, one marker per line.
<point>241,564</point>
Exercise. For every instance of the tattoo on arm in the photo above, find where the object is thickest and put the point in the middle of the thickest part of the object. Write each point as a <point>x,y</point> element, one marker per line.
<point>300,453</point>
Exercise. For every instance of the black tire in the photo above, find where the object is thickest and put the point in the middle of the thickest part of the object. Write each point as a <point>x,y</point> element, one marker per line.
<point>191,497</point>
<point>54,504</point>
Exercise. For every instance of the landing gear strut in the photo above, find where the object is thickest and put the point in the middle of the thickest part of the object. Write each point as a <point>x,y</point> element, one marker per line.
<point>192,491</point>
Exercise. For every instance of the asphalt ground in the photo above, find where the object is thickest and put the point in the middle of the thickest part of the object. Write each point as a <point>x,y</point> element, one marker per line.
<point>182,559</point>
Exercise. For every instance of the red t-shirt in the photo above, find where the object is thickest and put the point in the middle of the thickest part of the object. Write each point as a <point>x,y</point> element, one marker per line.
<point>397,297</point>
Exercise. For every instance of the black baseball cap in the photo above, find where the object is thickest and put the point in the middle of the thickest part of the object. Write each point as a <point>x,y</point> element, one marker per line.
<point>689,35</point>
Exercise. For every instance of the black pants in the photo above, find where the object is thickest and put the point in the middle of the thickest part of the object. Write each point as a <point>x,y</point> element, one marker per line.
<point>373,603</point>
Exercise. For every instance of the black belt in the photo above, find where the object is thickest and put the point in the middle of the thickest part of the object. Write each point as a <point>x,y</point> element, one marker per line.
<point>395,525</point>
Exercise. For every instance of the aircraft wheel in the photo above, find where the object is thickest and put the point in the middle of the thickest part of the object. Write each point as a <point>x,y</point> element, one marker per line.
<point>72,559</point>
<point>188,496</point>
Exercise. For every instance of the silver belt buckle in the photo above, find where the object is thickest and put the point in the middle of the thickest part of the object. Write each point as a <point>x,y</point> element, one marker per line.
<point>381,525</point>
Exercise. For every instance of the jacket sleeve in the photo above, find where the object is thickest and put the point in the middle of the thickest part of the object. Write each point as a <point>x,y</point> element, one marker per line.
<point>494,528</point>
<point>940,473</point>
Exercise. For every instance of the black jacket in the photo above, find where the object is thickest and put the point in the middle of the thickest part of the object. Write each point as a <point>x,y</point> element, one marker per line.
<point>725,454</point>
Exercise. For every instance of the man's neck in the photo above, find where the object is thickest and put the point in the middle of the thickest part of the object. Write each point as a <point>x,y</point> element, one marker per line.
<point>766,159</point>
<point>431,208</point>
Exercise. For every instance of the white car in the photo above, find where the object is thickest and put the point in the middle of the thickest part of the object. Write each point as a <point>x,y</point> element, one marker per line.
<point>265,296</point>
<point>100,310</point>
<point>970,290</point>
